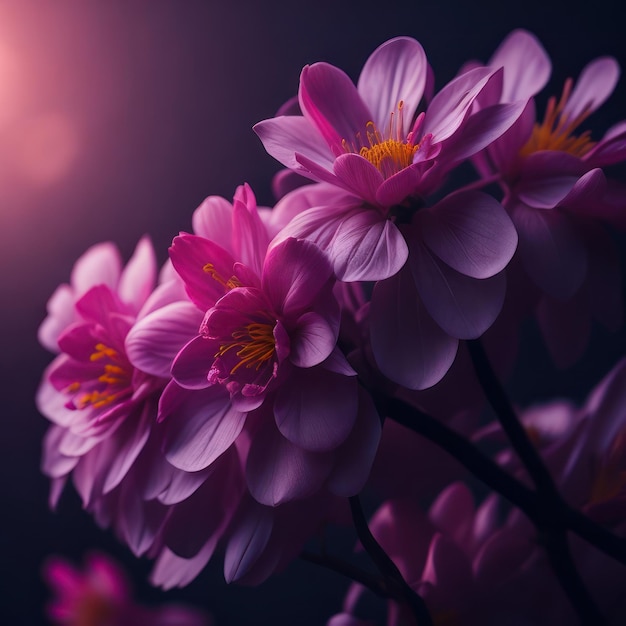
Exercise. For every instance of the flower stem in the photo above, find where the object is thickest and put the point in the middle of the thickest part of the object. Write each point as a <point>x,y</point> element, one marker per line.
<point>398,587</point>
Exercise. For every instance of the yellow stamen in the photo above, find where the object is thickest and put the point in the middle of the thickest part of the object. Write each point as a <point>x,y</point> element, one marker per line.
<point>556,132</point>
<point>256,345</point>
<point>229,284</point>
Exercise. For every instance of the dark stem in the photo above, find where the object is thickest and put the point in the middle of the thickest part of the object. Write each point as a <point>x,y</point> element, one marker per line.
<point>398,587</point>
<point>548,519</point>
<point>374,584</point>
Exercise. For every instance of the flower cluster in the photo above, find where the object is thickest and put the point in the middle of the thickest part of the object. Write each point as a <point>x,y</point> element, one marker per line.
<point>349,339</point>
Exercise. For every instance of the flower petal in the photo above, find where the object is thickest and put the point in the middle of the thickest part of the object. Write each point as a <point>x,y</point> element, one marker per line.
<point>471,232</point>
<point>139,276</point>
<point>312,341</point>
<point>395,72</point>
<point>409,347</point>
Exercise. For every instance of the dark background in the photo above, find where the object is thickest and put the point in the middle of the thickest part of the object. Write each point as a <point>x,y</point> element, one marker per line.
<point>117,119</point>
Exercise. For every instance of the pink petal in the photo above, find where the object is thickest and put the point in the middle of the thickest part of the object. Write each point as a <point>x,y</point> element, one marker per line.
<point>153,342</point>
<point>317,409</point>
<point>191,367</point>
<point>201,428</point>
<point>395,72</point>
<point>331,101</point>
<point>60,309</point>
<point>213,220</point>
<point>284,137</point>
<point>471,232</point>
<point>526,64</point>
<point>139,276</point>
<point>277,471</point>
<point>171,571</point>
<point>464,307</point>
<point>100,265</point>
<point>409,347</point>
<point>594,85</point>
<point>250,237</point>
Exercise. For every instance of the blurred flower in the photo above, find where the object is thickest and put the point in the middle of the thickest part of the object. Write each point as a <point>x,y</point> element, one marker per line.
<point>100,595</point>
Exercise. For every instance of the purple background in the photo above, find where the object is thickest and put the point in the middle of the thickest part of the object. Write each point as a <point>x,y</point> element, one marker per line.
<point>116,120</point>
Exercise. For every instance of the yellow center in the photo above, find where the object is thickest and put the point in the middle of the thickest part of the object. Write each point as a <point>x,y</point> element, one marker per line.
<point>388,152</point>
<point>556,132</point>
<point>228,284</point>
<point>115,377</point>
<point>255,343</point>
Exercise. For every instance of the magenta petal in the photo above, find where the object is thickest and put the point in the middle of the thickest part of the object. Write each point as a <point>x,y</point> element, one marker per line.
<point>526,65</point>
<point>205,267</point>
<point>358,175</point>
<point>316,410</point>
<point>284,137</point>
<point>250,236</point>
<point>201,428</point>
<point>611,149</point>
<point>550,249</point>
<point>356,455</point>
<point>471,232</point>
<point>594,85</point>
<point>409,347</point>
<point>277,471</point>
<point>464,307</point>
<point>154,341</point>
<point>248,538</point>
<point>294,274</point>
<point>312,341</point>
<point>395,72</point>
<point>55,464</point>
<point>407,182</point>
<point>60,315</point>
<point>331,101</point>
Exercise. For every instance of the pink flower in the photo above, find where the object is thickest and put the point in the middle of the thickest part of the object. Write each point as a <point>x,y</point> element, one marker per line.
<point>101,596</point>
<point>264,359</point>
<point>102,406</point>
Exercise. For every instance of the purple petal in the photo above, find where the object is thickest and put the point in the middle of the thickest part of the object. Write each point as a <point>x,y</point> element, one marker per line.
<point>53,463</point>
<point>203,426</point>
<point>409,347</point>
<point>277,471</point>
<point>284,137</point>
<point>317,409</point>
<point>153,342</point>
<point>551,251</point>
<point>464,307</point>
<point>248,538</point>
<point>191,367</point>
<point>526,65</point>
<point>331,101</point>
<point>407,182</point>
<point>594,85</point>
<point>294,274</point>
<point>171,571</point>
<point>250,237</point>
<point>60,309</point>
<point>356,455</point>
<point>358,175</point>
<point>449,107</point>
<point>312,341</point>
<point>471,232</point>
<point>395,72</point>
<point>611,149</point>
